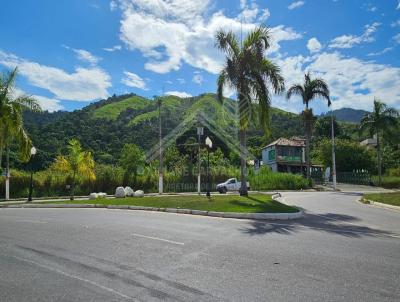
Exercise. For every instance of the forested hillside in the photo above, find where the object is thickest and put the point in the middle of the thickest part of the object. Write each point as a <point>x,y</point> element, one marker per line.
<point>105,126</point>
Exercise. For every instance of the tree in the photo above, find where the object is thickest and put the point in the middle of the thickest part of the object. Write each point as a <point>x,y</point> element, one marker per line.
<point>350,155</point>
<point>323,127</point>
<point>78,162</point>
<point>12,122</point>
<point>249,72</point>
<point>310,90</point>
<point>376,123</point>
<point>132,158</point>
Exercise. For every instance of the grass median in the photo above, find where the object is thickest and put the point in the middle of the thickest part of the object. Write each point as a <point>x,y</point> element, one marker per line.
<point>387,198</point>
<point>257,203</point>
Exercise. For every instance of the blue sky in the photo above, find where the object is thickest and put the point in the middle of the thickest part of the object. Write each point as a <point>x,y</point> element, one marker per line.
<point>71,53</point>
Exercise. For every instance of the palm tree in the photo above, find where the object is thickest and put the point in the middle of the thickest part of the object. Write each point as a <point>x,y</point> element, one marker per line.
<point>310,90</point>
<point>11,120</point>
<point>381,119</point>
<point>77,162</point>
<point>249,72</point>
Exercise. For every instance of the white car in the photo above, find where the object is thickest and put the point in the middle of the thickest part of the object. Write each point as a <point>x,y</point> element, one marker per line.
<point>230,185</point>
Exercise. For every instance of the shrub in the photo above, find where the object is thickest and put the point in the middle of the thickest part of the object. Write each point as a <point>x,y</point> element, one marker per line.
<point>388,182</point>
<point>394,172</point>
<point>265,179</point>
<point>350,155</point>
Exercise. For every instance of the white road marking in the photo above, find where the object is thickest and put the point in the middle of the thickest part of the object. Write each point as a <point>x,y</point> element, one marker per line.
<point>31,221</point>
<point>159,239</point>
<point>76,278</point>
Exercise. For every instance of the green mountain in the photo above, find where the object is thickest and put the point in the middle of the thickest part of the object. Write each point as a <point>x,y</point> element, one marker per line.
<point>348,115</point>
<point>105,126</point>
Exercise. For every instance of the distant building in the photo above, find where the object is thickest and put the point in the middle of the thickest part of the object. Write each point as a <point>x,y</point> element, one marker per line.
<point>286,155</point>
<point>369,142</point>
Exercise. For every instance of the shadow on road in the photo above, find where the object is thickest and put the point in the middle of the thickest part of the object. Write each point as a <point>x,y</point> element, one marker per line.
<point>339,224</point>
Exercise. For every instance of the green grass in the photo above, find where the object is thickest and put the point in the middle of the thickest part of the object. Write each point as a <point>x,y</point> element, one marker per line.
<point>112,111</point>
<point>257,203</point>
<point>388,198</point>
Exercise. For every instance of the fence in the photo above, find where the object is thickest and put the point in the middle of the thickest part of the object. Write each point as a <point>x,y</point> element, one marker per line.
<point>356,177</point>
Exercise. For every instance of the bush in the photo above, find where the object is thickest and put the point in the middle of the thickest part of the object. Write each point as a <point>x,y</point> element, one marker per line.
<point>350,155</point>
<point>388,182</point>
<point>265,179</point>
<point>394,172</point>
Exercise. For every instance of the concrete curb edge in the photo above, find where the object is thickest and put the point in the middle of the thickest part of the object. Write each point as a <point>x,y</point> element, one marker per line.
<point>378,204</point>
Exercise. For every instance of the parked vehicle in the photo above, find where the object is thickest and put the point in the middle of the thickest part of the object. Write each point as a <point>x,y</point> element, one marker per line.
<point>230,185</point>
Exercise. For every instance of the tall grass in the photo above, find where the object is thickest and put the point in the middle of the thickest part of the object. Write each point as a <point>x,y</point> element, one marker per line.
<point>265,179</point>
<point>49,183</point>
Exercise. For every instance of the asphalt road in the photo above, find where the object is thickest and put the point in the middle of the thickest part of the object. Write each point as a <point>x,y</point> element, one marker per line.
<point>341,251</point>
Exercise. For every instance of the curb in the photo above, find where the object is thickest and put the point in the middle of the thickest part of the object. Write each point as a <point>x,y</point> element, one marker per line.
<point>378,204</point>
<point>255,216</point>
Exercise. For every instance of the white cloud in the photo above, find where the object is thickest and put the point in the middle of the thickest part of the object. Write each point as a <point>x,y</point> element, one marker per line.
<point>133,80</point>
<point>398,5</point>
<point>395,23</point>
<point>265,13</point>
<point>313,45</point>
<point>353,82</point>
<point>387,49</point>
<point>348,41</point>
<point>49,104</point>
<point>180,94</point>
<point>198,79</point>
<point>84,84</point>
<point>84,55</point>
<point>46,103</point>
<point>396,38</point>
<point>296,4</point>
<point>113,5</point>
<point>370,7</point>
<point>182,32</point>
<point>114,48</point>
<point>181,81</point>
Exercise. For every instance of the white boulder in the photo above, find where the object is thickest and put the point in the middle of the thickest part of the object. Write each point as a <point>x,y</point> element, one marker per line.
<point>93,196</point>
<point>139,193</point>
<point>120,192</point>
<point>129,191</point>
<point>101,195</point>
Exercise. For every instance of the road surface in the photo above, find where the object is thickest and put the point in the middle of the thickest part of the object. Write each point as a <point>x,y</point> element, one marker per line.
<point>341,251</point>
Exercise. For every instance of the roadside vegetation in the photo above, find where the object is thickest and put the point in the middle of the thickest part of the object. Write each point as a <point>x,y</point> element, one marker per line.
<point>387,198</point>
<point>256,203</point>
<point>104,145</point>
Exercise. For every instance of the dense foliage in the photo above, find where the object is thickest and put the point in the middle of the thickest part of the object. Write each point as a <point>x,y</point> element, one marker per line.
<point>350,155</point>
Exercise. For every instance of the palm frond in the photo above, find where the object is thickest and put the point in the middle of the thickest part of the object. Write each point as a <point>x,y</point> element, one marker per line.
<point>296,89</point>
<point>227,42</point>
<point>28,103</point>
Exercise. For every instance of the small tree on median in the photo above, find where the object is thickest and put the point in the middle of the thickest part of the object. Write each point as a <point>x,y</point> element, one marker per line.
<point>77,162</point>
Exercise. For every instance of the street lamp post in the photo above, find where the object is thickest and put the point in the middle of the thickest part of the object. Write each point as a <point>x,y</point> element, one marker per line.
<point>209,145</point>
<point>160,169</point>
<point>33,153</point>
<point>200,131</point>
<point>333,153</point>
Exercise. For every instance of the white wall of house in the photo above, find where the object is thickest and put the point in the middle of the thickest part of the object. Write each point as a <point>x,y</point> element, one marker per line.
<point>269,157</point>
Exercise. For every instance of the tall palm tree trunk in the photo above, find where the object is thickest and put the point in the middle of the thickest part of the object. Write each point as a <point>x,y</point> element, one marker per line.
<point>243,164</point>
<point>378,150</point>
<point>7,197</point>
<point>72,187</point>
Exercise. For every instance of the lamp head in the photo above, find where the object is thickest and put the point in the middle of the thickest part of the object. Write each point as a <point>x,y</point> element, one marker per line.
<point>209,142</point>
<point>33,151</point>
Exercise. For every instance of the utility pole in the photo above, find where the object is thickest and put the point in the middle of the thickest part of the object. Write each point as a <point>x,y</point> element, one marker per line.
<point>333,153</point>
<point>160,169</point>
<point>200,131</point>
